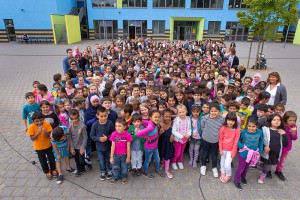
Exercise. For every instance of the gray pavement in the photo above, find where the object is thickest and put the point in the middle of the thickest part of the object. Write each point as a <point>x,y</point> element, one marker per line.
<point>22,64</point>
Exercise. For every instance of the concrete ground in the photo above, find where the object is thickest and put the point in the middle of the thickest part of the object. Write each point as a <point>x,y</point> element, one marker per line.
<point>19,179</point>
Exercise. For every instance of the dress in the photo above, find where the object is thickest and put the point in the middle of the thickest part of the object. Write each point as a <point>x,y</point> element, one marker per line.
<point>165,147</point>
<point>275,146</point>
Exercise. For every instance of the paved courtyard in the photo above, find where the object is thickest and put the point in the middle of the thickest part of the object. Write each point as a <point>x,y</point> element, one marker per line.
<point>19,179</point>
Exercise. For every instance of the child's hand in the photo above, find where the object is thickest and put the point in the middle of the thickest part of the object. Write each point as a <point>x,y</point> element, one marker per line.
<point>81,151</point>
<point>186,136</point>
<point>267,149</point>
<point>281,132</point>
<point>103,139</point>
<point>293,130</point>
<point>111,160</point>
<point>128,160</point>
<point>58,156</point>
<point>136,130</point>
<point>44,130</point>
<point>73,152</point>
<point>221,153</point>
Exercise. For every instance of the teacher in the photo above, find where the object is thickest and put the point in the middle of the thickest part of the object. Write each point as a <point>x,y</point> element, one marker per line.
<point>276,89</point>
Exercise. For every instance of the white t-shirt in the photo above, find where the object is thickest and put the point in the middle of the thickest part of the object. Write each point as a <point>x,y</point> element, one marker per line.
<point>273,94</point>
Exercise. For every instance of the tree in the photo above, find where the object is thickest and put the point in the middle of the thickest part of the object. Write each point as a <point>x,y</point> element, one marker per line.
<point>263,17</point>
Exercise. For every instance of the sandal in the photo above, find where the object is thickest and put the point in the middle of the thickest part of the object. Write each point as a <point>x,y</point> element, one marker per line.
<point>169,175</point>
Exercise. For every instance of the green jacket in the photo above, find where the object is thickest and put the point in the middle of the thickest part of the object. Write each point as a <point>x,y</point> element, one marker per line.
<point>134,137</point>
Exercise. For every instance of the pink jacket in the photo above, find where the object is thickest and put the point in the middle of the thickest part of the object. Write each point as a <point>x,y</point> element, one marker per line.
<point>252,156</point>
<point>290,138</point>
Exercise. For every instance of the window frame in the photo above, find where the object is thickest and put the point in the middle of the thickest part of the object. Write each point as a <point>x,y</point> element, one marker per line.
<point>233,6</point>
<point>159,25</point>
<point>218,4</point>
<point>100,1</point>
<point>212,34</point>
<point>180,3</point>
<point>134,6</point>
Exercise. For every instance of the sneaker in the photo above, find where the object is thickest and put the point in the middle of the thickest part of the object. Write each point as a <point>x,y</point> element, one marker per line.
<point>180,166</point>
<point>238,186</point>
<point>280,175</point>
<point>59,179</point>
<point>109,176</point>
<point>102,177</point>
<point>203,170</point>
<point>269,175</point>
<point>112,181</point>
<point>71,170</point>
<point>139,172</point>
<point>124,181</point>
<point>159,172</point>
<point>174,166</point>
<point>134,173</point>
<point>244,181</point>
<point>87,160</point>
<point>148,175</point>
<point>35,152</point>
<point>169,175</point>
<point>49,175</point>
<point>77,173</point>
<point>215,172</point>
<point>54,173</point>
<point>261,179</point>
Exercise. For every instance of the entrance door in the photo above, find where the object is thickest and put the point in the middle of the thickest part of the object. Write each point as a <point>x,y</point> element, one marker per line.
<point>187,33</point>
<point>106,30</point>
<point>132,32</point>
<point>181,33</point>
<point>109,32</point>
<point>138,31</point>
<point>10,29</point>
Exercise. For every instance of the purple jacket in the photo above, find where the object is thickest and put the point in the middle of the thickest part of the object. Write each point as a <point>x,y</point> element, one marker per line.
<point>150,133</point>
<point>290,138</point>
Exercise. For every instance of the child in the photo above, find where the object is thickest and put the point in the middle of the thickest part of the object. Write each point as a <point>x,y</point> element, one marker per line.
<point>62,114</point>
<point>262,109</point>
<point>195,141</point>
<point>228,139</point>
<point>100,133</point>
<point>39,132</point>
<point>120,151</point>
<point>48,115</point>
<point>43,94</point>
<point>112,115</point>
<point>279,109</point>
<point>120,101</point>
<point>205,109</point>
<point>165,142</point>
<point>136,145</point>
<point>61,146</point>
<point>78,140</point>
<point>289,120</point>
<point>144,110</point>
<point>195,100</point>
<point>150,146</point>
<point>181,130</point>
<point>34,85</point>
<point>210,126</point>
<point>79,105</point>
<point>28,109</point>
<point>61,95</point>
<point>251,141</point>
<point>244,111</point>
<point>275,139</point>
<point>126,114</point>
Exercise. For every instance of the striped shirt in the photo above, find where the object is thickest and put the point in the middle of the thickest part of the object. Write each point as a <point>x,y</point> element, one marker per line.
<point>210,128</point>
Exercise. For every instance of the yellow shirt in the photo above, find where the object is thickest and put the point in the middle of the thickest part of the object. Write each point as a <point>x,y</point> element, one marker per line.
<point>41,142</point>
<point>244,113</point>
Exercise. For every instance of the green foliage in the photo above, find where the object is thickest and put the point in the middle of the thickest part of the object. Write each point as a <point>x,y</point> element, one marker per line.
<point>263,17</point>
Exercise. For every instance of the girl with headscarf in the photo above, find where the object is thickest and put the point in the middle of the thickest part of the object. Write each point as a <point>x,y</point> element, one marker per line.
<point>256,79</point>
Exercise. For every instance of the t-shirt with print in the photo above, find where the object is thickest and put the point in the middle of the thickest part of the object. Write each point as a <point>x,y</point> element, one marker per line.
<point>41,142</point>
<point>195,132</point>
<point>120,140</point>
<point>28,111</point>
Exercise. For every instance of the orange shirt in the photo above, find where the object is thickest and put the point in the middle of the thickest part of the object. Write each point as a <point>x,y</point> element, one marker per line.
<point>41,141</point>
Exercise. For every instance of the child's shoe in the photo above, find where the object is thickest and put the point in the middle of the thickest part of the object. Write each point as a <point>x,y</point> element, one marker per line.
<point>215,172</point>
<point>59,179</point>
<point>102,177</point>
<point>148,175</point>
<point>71,170</point>
<point>280,175</point>
<point>269,175</point>
<point>194,165</point>
<point>222,177</point>
<point>238,186</point>
<point>174,166</point>
<point>49,175</point>
<point>124,181</point>
<point>180,166</point>
<point>169,175</point>
<point>261,179</point>
<point>109,175</point>
<point>203,170</point>
<point>112,181</point>
<point>159,172</point>
<point>134,173</point>
<point>244,181</point>
<point>139,172</point>
<point>54,173</point>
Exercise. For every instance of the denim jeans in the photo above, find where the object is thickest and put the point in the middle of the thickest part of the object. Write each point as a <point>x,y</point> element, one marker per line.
<point>148,156</point>
<point>103,157</point>
<point>120,167</point>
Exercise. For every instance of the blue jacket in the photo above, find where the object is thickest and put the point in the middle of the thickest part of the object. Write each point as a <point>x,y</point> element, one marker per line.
<point>198,126</point>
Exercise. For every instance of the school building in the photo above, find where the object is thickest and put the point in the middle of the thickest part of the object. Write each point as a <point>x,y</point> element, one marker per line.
<point>109,19</point>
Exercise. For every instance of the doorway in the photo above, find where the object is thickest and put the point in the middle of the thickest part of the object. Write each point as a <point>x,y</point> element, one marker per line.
<point>185,30</point>
<point>106,29</point>
<point>132,32</point>
<point>185,33</point>
<point>10,29</point>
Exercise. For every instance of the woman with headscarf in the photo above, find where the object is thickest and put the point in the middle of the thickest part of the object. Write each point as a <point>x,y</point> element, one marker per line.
<point>256,79</point>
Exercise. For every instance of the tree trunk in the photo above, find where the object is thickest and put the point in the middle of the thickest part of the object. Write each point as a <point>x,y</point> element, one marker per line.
<point>258,48</point>
<point>249,53</point>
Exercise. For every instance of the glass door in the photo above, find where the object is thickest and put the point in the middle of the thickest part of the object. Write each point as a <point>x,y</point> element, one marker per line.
<point>138,31</point>
<point>187,33</point>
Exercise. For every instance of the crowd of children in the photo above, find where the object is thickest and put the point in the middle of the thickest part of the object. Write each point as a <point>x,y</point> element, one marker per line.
<point>135,100</point>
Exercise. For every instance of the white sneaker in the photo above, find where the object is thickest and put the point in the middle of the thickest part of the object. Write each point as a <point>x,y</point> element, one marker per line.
<point>203,170</point>
<point>180,165</point>
<point>215,172</point>
<point>174,166</point>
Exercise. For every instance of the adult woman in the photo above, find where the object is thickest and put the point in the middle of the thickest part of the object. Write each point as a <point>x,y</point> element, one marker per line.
<point>276,89</point>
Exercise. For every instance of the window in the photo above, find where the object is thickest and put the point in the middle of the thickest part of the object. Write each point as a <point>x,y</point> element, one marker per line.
<point>214,28</point>
<point>207,4</point>
<point>104,3</point>
<point>158,27</point>
<point>135,3</point>
<point>237,4</point>
<point>169,3</point>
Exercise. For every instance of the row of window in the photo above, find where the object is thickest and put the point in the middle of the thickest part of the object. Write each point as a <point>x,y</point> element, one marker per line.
<point>212,4</point>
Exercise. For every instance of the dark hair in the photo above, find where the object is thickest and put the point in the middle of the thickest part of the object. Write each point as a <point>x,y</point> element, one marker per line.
<point>62,89</point>
<point>137,117</point>
<point>105,99</point>
<point>35,82</point>
<point>57,107</point>
<point>287,115</point>
<point>127,108</point>
<point>252,120</point>
<point>121,121</point>
<point>167,110</point>
<point>214,105</point>
<point>29,94</point>
<point>245,101</point>
<point>263,107</point>
<point>151,112</point>
<point>276,74</point>
<point>57,133</point>
<point>271,107</point>
<point>78,100</point>
<point>279,105</point>
<point>73,112</point>
<point>101,109</point>
<point>264,95</point>
<point>44,102</point>
<point>231,116</point>
<point>68,50</point>
<point>56,77</point>
<point>270,119</point>
<point>42,87</point>
<point>37,115</point>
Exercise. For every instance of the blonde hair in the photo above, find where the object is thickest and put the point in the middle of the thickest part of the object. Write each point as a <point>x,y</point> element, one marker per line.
<point>181,106</point>
<point>145,105</point>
